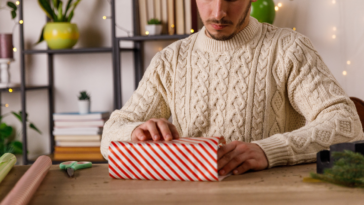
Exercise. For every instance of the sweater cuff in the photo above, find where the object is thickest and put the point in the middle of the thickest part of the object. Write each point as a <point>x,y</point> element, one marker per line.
<point>127,129</point>
<point>275,149</point>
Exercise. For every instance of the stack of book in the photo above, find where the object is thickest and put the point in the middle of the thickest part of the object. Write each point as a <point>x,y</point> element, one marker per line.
<point>78,137</point>
<point>177,16</point>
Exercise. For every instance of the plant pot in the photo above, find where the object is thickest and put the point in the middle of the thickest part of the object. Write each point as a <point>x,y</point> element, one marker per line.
<point>61,35</point>
<point>154,29</point>
<point>84,106</point>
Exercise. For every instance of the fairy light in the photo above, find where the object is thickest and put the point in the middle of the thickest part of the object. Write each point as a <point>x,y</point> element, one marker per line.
<point>344,73</point>
<point>334,28</point>
<point>279,4</point>
<point>14,49</point>
<point>104,17</point>
<point>6,105</point>
<point>348,62</point>
<point>276,8</point>
<point>192,31</point>
<point>10,90</point>
<point>294,28</point>
<point>17,2</point>
<point>21,21</point>
<point>333,36</point>
<point>147,32</point>
<point>172,25</point>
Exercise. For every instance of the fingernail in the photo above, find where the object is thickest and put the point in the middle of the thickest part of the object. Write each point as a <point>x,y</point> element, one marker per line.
<point>222,172</point>
<point>235,171</point>
<point>155,137</point>
<point>142,138</point>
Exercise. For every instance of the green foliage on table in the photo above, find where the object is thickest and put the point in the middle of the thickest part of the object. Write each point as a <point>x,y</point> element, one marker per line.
<point>55,12</point>
<point>84,96</point>
<point>13,8</point>
<point>348,170</point>
<point>8,144</point>
<point>154,22</point>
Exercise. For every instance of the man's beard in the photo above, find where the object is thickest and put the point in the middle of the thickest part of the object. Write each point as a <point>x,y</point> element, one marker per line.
<point>222,21</point>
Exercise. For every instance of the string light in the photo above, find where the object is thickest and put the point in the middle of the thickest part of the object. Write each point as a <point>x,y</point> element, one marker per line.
<point>334,28</point>
<point>280,4</point>
<point>333,36</point>
<point>348,62</point>
<point>14,49</point>
<point>21,21</point>
<point>147,32</point>
<point>276,8</point>
<point>104,17</point>
<point>10,90</point>
<point>344,73</point>
<point>17,2</point>
<point>192,31</point>
<point>294,28</point>
<point>6,105</point>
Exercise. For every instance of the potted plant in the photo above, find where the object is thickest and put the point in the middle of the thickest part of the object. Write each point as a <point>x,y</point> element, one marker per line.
<point>84,103</point>
<point>8,142</point>
<point>60,33</point>
<point>154,27</point>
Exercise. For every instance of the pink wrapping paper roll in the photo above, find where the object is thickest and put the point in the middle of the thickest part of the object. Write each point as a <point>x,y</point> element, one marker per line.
<point>28,184</point>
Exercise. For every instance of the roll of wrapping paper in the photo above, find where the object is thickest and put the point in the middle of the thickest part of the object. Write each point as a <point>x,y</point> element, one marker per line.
<point>7,162</point>
<point>28,183</point>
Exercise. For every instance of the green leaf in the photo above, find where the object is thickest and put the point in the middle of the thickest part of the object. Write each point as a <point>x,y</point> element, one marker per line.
<point>11,5</point>
<point>44,4</point>
<point>41,38</point>
<point>72,10</point>
<point>17,116</point>
<point>70,17</point>
<point>68,6</point>
<point>32,126</point>
<point>5,131</point>
<point>55,4</point>
<point>60,12</point>
<point>13,14</point>
<point>15,147</point>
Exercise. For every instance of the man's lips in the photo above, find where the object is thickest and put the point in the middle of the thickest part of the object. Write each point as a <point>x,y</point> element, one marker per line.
<point>218,26</point>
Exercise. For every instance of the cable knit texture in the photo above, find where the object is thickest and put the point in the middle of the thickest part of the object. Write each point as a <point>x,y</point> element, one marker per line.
<point>266,85</point>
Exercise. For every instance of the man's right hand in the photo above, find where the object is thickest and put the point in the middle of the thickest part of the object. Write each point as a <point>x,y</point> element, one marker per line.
<point>155,129</point>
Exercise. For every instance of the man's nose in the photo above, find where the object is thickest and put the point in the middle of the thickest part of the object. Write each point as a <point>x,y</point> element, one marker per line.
<point>219,11</point>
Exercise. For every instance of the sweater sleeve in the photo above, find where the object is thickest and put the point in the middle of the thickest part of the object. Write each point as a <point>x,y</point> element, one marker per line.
<point>148,101</point>
<point>314,93</point>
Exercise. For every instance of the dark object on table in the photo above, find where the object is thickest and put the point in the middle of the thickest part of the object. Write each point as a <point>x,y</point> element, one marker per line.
<point>325,159</point>
<point>6,46</point>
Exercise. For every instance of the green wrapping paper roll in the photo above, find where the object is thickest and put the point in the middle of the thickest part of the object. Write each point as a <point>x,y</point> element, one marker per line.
<point>7,161</point>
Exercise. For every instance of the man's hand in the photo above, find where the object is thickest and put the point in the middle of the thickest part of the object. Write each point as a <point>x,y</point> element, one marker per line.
<point>240,157</point>
<point>155,129</point>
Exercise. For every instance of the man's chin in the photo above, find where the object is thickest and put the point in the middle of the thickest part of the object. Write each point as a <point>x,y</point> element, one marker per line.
<point>220,35</point>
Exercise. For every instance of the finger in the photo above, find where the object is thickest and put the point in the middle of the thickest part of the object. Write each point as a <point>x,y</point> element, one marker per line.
<point>152,128</point>
<point>226,149</point>
<point>246,166</point>
<point>174,131</point>
<point>138,134</point>
<point>164,129</point>
<point>233,164</point>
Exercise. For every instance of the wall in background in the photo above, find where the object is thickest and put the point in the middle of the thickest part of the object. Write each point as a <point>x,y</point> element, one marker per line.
<point>317,19</point>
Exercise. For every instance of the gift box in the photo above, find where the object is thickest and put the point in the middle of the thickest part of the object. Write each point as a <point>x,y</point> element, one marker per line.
<point>185,159</point>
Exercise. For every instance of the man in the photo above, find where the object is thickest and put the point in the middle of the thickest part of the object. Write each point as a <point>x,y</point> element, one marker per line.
<point>255,84</point>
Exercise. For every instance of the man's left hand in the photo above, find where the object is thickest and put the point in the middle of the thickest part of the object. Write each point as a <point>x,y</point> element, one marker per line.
<point>240,157</point>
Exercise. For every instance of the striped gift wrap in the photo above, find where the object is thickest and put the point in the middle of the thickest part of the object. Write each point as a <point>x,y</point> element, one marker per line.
<point>185,159</point>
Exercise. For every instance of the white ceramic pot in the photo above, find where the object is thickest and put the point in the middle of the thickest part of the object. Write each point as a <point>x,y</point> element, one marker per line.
<point>154,29</point>
<point>84,106</point>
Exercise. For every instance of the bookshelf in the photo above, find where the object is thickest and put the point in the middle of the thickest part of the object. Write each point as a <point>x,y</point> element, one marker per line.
<point>114,50</point>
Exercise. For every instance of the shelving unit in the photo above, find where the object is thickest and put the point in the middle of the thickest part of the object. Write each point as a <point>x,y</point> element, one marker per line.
<point>115,51</point>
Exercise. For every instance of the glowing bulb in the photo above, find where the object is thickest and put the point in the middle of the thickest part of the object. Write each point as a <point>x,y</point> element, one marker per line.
<point>192,31</point>
<point>348,62</point>
<point>333,36</point>
<point>10,90</point>
<point>334,28</point>
<point>344,73</point>
<point>21,21</point>
<point>17,2</point>
<point>294,28</point>
<point>147,32</point>
<point>280,4</point>
<point>276,8</point>
<point>333,1</point>
<point>104,17</point>
<point>172,25</point>
<point>14,49</point>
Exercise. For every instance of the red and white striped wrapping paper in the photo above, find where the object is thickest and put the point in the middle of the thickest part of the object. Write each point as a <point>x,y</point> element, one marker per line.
<point>185,159</point>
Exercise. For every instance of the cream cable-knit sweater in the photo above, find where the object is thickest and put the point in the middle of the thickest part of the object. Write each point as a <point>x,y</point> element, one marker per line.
<point>261,86</point>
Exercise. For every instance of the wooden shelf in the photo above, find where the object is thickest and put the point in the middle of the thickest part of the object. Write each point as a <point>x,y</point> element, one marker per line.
<point>75,51</point>
<point>26,88</point>
<point>152,38</point>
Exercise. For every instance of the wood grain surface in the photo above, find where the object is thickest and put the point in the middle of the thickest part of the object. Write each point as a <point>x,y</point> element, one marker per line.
<point>281,185</point>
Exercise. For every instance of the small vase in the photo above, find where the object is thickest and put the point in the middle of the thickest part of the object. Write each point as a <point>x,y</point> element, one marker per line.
<point>154,29</point>
<point>84,106</point>
<point>60,35</point>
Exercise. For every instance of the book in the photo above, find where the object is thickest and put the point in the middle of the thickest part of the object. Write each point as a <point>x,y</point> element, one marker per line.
<point>194,15</point>
<point>77,131</point>
<point>143,15</point>
<point>171,22</point>
<point>78,116</point>
<point>77,144</point>
<point>76,149</point>
<point>180,19</point>
<point>164,17</point>
<point>77,138</point>
<point>94,156</point>
<point>89,123</point>
<point>188,17</point>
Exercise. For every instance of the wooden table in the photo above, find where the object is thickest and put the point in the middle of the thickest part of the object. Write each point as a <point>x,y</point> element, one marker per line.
<point>282,185</point>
